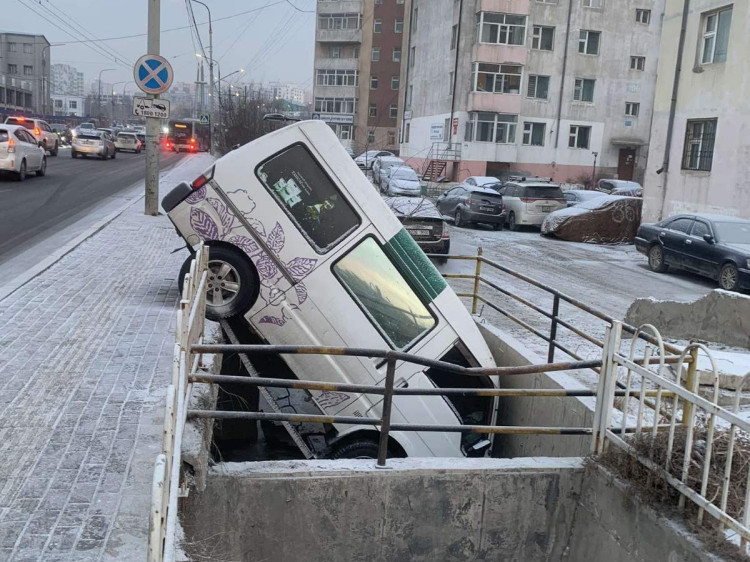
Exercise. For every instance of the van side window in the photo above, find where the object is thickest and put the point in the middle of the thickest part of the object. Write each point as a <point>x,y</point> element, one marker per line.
<point>310,198</point>
<point>384,295</point>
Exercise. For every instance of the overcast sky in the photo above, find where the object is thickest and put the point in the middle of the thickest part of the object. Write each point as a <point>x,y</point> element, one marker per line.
<point>272,42</point>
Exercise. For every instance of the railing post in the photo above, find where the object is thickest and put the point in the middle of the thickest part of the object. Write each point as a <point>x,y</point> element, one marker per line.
<point>687,407</point>
<point>385,420</point>
<point>606,389</point>
<point>477,274</point>
<point>553,329</point>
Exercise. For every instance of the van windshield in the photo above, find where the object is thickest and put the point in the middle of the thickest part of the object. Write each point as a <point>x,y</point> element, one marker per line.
<point>386,297</point>
<point>310,198</point>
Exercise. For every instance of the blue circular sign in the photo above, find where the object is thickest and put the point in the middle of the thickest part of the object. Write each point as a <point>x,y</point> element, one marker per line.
<point>153,74</point>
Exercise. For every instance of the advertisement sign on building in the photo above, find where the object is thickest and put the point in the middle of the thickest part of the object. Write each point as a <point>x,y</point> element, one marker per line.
<point>436,131</point>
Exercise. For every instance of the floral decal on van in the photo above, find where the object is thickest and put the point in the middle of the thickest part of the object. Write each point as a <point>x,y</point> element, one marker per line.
<point>220,224</point>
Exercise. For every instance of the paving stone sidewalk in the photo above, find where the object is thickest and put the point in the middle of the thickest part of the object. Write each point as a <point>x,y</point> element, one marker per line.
<point>85,358</point>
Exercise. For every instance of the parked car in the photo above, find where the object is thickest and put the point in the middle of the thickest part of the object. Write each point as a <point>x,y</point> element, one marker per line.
<point>402,180</point>
<point>20,152</point>
<point>607,219</point>
<point>40,129</point>
<point>529,201</point>
<point>469,204</point>
<point>575,196</point>
<point>366,159</point>
<point>93,142</point>
<point>481,180</point>
<point>620,187</point>
<point>424,222</point>
<point>380,169</point>
<point>715,246</point>
<point>128,141</point>
<point>304,251</point>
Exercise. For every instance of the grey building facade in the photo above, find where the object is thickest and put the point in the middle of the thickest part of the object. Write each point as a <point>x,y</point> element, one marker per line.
<point>24,73</point>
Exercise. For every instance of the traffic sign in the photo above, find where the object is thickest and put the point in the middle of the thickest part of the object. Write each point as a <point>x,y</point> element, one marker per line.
<point>148,107</point>
<point>153,74</point>
<point>204,118</point>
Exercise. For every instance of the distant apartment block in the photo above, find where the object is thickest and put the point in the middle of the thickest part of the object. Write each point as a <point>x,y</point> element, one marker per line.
<point>699,159</point>
<point>551,88</point>
<point>67,105</point>
<point>287,92</point>
<point>66,80</point>
<point>24,73</point>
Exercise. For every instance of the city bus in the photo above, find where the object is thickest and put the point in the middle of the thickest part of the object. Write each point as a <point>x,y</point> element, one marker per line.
<point>188,135</point>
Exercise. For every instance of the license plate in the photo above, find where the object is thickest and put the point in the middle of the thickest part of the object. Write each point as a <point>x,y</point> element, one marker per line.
<point>488,209</point>
<point>419,232</point>
<point>546,209</point>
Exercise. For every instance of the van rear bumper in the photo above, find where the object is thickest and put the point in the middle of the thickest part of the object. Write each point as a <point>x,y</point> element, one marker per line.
<point>176,196</point>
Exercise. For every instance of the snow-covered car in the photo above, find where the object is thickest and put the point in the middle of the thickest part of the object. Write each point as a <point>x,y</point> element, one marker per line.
<point>20,152</point>
<point>576,196</point>
<point>380,169</point>
<point>403,181</point>
<point>424,222</point>
<point>620,187</point>
<point>127,141</point>
<point>481,181</point>
<point>367,159</point>
<point>609,219</point>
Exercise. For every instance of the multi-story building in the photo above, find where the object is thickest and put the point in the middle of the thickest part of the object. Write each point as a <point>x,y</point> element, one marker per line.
<point>66,80</point>
<point>287,92</point>
<point>358,70</point>
<point>24,73</point>
<point>699,156</point>
<point>67,105</point>
<point>552,88</point>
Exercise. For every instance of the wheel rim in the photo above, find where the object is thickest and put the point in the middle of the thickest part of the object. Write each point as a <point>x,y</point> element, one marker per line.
<point>223,283</point>
<point>459,218</point>
<point>44,165</point>
<point>656,257</point>
<point>728,278</point>
<point>512,220</point>
<point>22,173</point>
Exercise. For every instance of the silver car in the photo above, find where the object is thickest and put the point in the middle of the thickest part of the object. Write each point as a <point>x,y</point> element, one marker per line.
<point>381,167</point>
<point>403,181</point>
<point>529,201</point>
<point>93,143</point>
<point>40,130</point>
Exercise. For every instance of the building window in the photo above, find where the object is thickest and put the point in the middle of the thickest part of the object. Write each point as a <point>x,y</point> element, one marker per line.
<point>373,110</point>
<point>395,82</point>
<point>399,26</point>
<point>501,29</point>
<point>12,69</point>
<point>337,77</point>
<point>407,130</point>
<point>373,82</point>
<point>584,90</point>
<point>637,63</point>
<point>409,95</point>
<point>335,105</point>
<point>12,47</point>
<point>391,138</point>
<point>413,56</point>
<point>339,21</point>
<point>716,36</point>
<point>546,1</point>
<point>393,111</point>
<point>396,54</point>
<point>371,137</point>
<point>533,133</point>
<point>491,127</point>
<point>334,52</point>
<point>28,48</point>
<point>642,16</point>
<point>632,108</point>
<point>538,87</point>
<point>580,136</point>
<point>414,20</point>
<point>497,78</point>
<point>377,25</point>
<point>58,104</point>
<point>593,3</point>
<point>699,145</point>
<point>450,83</point>
<point>399,1</point>
<point>542,38</point>
<point>355,52</point>
<point>28,70</point>
<point>454,36</point>
<point>72,104</point>
<point>375,54</point>
<point>588,42</point>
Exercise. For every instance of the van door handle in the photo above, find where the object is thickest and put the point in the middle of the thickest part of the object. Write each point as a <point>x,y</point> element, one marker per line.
<point>688,241</point>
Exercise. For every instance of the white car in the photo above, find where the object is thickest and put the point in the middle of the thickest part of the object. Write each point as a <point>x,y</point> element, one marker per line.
<point>403,181</point>
<point>20,153</point>
<point>128,141</point>
<point>575,197</point>
<point>620,187</point>
<point>40,130</point>
<point>481,181</point>
<point>367,159</point>
<point>529,201</point>
<point>380,169</point>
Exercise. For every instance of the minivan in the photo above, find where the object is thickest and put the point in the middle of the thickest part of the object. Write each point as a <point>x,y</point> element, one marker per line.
<point>307,253</point>
<point>528,201</point>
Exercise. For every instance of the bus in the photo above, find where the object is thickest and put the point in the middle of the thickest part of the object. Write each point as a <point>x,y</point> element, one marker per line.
<point>188,135</point>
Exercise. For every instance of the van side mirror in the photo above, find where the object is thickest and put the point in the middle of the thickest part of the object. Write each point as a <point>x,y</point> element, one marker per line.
<point>709,238</point>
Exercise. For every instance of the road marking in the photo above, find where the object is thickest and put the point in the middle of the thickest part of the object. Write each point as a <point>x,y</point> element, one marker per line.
<point>4,190</point>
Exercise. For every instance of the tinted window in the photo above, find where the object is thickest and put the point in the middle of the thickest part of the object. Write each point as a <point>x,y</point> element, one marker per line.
<point>681,225</point>
<point>733,232</point>
<point>24,123</point>
<point>386,297</point>
<point>699,229</point>
<point>543,192</point>
<point>308,196</point>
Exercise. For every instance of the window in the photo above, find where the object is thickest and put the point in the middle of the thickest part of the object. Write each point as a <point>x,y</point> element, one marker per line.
<point>716,36</point>
<point>344,132</point>
<point>533,133</point>
<point>681,225</point>
<point>450,83</point>
<point>339,21</point>
<point>407,130</point>
<point>373,110</point>
<point>377,25</point>
<point>414,20</point>
<point>310,198</point>
<point>538,87</point>
<point>28,70</point>
<point>593,3</point>
<point>637,63</point>
<point>386,298</point>
<point>632,108</point>
<point>355,52</point>
<point>542,38</point>
<point>393,111</point>
<point>391,138</point>
<point>399,1</point>
<point>409,95</point>
<point>501,29</point>
<point>491,127</point>
<point>579,136</point>
<point>588,42</point>
<point>413,56</point>
<point>28,48</point>
<point>375,54</point>
<point>399,26</point>
<point>58,104</point>
<point>394,82</point>
<point>373,82</point>
<point>334,52</point>
<point>699,145</point>
<point>547,1</point>
<point>497,78</point>
<point>584,90</point>
<point>12,47</point>
<point>396,54</point>
<point>371,137</point>
<point>642,16</point>
<point>700,229</point>
<point>12,69</point>
<point>454,36</point>
<point>337,77</point>
<point>335,105</point>
<point>72,104</point>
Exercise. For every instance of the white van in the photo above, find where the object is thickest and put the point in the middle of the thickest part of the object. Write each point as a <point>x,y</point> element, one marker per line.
<point>309,254</point>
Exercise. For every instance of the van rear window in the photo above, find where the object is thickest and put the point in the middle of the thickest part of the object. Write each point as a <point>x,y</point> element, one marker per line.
<point>310,198</point>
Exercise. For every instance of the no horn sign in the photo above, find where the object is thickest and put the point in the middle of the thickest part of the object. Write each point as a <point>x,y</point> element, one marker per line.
<point>153,74</point>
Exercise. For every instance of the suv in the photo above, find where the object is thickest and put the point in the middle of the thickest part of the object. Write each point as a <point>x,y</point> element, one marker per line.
<point>530,200</point>
<point>41,130</point>
<point>473,204</point>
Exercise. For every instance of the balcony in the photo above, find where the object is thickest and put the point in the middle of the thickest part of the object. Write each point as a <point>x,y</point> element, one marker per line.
<point>337,64</point>
<point>339,6</point>
<point>502,6</point>
<point>494,103</point>
<point>339,36</point>
<point>336,91</point>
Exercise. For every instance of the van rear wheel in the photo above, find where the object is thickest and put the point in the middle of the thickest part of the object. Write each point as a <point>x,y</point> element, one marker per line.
<point>359,449</point>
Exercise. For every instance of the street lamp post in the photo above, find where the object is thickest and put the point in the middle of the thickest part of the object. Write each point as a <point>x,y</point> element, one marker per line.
<point>125,109</point>
<point>593,173</point>
<point>99,95</point>
<point>113,97</point>
<point>210,71</point>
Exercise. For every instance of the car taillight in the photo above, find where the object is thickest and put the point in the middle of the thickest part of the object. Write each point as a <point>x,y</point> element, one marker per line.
<point>468,200</point>
<point>11,145</point>
<point>167,145</point>
<point>445,235</point>
<point>203,179</point>
<point>37,132</point>
<point>192,141</point>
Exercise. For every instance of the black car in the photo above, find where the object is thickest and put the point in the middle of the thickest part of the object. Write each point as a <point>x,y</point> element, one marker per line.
<point>473,204</point>
<point>423,221</point>
<point>714,246</point>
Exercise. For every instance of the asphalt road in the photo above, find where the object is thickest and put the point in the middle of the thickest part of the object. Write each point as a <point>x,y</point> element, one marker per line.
<point>36,209</point>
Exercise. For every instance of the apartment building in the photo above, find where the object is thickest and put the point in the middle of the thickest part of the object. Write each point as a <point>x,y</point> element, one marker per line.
<point>24,73</point>
<point>67,105</point>
<point>553,88</point>
<point>699,156</point>
<point>357,78</point>
<point>66,80</point>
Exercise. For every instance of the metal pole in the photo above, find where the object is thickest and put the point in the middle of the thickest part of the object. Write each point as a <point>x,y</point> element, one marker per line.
<point>152,123</point>
<point>385,420</point>
<point>687,407</point>
<point>99,96</point>
<point>553,329</point>
<point>477,274</point>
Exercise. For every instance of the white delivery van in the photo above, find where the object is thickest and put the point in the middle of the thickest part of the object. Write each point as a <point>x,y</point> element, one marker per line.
<point>309,254</point>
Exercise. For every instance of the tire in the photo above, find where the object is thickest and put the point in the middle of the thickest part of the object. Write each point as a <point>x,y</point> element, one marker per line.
<point>73,154</point>
<point>54,152</point>
<point>43,170</point>
<point>656,259</point>
<point>460,219</point>
<point>729,277</point>
<point>21,175</point>
<point>114,155</point>
<point>241,274</point>
<point>357,449</point>
<point>497,226</point>
<point>512,222</point>
<point>104,156</point>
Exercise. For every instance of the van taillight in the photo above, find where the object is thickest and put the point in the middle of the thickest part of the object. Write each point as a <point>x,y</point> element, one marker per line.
<point>203,179</point>
<point>37,132</point>
<point>11,145</point>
